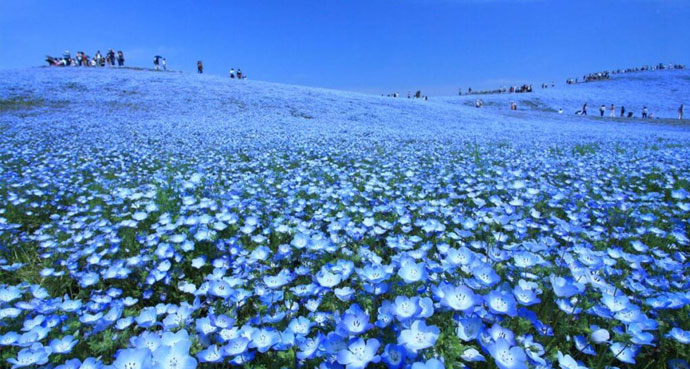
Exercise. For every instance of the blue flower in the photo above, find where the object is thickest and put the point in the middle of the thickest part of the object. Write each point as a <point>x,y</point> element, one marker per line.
<point>354,321</point>
<point>147,317</point>
<point>507,356</point>
<point>412,272</point>
<point>565,286</point>
<point>210,355</point>
<point>133,359</point>
<point>236,346</point>
<point>175,356</point>
<point>63,345</point>
<point>501,302</point>
<point>263,339</point>
<point>418,336</point>
<point>394,356</point>
<point>429,364</point>
<point>406,308</point>
<point>624,352</point>
<point>679,335</point>
<point>309,348</point>
<point>458,298</point>
<point>359,353</point>
<point>469,329</point>
<point>37,354</point>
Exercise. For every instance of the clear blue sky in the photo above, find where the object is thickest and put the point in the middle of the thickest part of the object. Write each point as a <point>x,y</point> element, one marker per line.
<point>372,46</point>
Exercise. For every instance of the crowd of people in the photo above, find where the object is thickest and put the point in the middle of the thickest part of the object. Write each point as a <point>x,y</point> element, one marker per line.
<point>644,113</point>
<point>417,95</point>
<point>604,75</point>
<point>512,89</point>
<point>83,60</point>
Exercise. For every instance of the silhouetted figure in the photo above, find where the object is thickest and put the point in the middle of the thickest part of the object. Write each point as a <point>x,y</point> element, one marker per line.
<point>644,112</point>
<point>680,112</point>
<point>156,62</point>
<point>120,58</point>
<point>232,73</point>
<point>200,67</point>
<point>584,109</point>
<point>602,110</point>
<point>622,111</point>
<point>613,111</point>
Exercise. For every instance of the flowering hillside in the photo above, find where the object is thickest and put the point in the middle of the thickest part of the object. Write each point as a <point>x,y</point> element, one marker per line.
<point>169,220</point>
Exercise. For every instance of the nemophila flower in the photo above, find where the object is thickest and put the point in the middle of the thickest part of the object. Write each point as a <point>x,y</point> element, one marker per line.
<point>678,364</point>
<point>139,358</point>
<point>327,279</point>
<point>354,321</point>
<point>565,286</point>
<point>526,297</point>
<point>567,362</point>
<point>8,338</point>
<point>235,346</point>
<point>506,356</point>
<point>37,354</point>
<point>394,356</point>
<point>148,340</point>
<point>469,328</point>
<point>583,346</point>
<point>486,275</point>
<point>70,364</point>
<point>429,364</point>
<point>418,337</point>
<point>624,352</point>
<point>63,345</point>
<point>406,308</point>
<point>501,302</point>
<point>263,339</point>
<point>220,288</point>
<point>359,353</point>
<point>344,294</point>
<point>679,335</point>
<point>283,278</point>
<point>147,317</point>
<point>175,356</point>
<point>309,348</point>
<point>210,355</point>
<point>412,272</point>
<point>615,303</point>
<point>472,355</point>
<point>458,298</point>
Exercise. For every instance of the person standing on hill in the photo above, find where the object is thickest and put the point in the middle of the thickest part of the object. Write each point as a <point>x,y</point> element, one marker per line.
<point>120,58</point>
<point>156,62</point>
<point>232,73</point>
<point>622,111</point>
<point>680,112</point>
<point>644,112</point>
<point>602,110</point>
<point>584,109</point>
<point>200,67</point>
<point>164,64</point>
<point>613,111</point>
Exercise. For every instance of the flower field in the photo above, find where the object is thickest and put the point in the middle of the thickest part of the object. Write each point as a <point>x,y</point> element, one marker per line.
<point>162,220</point>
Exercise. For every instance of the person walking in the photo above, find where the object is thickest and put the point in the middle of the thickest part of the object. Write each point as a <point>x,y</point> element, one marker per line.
<point>644,112</point>
<point>602,110</point>
<point>200,67</point>
<point>584,109</point>
<point>164,64</point>
<point>232,73</point>
<point>613,111</point>
<point>680,112</point>
<point>239,73</point>
<point>156,62</point>
<point>622,111</point>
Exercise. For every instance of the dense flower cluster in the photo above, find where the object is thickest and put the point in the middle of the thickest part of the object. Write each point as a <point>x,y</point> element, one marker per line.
<point>169,238</point>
